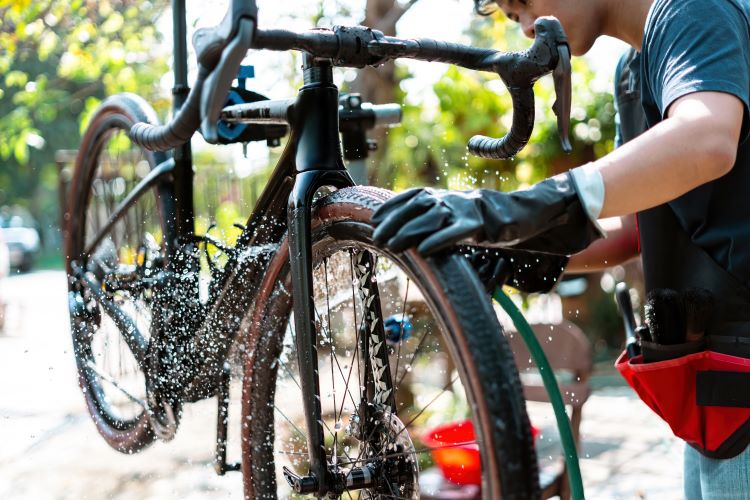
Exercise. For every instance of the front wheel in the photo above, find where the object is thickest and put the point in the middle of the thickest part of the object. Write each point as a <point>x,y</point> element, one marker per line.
<point>439,388</point>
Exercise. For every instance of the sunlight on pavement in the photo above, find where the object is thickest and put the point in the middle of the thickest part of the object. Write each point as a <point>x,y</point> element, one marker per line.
<point>52,450</point>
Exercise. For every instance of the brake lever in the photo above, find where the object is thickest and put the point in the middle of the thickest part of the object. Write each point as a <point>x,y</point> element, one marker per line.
<point>519,71</point>
<point>563,92</point>
<point>217,85</point>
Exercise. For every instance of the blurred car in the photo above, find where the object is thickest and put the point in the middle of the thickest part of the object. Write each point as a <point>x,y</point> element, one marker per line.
<point>23,243</point>
<point>4,258</point>
<point>4,271</point>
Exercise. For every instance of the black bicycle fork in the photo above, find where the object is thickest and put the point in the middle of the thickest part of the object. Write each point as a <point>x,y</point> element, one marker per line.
<point>318,164</point>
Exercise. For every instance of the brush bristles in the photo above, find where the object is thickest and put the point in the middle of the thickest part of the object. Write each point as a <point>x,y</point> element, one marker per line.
<point>665,316</point>
<point>699,306</point>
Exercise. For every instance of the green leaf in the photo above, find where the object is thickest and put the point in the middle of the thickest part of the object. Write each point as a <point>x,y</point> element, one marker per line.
<point>47,44</point>
<point>21,149</point>
<point>113,23</point>
<point>16,78</point>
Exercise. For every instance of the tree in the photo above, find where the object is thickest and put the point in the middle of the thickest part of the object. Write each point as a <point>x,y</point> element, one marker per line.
<point>58,59</point>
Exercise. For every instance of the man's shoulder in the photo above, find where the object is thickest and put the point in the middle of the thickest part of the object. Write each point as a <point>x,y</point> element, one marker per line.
<point>670,19</point>
<point>664,12</point>
<point>661,5</point>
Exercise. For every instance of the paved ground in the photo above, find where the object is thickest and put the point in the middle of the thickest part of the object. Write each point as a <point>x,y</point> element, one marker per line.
<point>50,450</point>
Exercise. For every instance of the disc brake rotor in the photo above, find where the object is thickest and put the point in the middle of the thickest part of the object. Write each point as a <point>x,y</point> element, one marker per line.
<point>392,451</point>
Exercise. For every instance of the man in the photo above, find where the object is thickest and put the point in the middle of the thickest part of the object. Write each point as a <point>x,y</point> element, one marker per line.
<point>686,177</point>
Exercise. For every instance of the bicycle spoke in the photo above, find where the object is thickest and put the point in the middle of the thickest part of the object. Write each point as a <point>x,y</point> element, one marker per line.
<point>292,453</point>
<point>410,452</point>
<point>336,290</point>
<point>136,342</point>
<point>302,434</point>
<point>445,388</point>
<point>401,329</point>
<point>341,372</point>
<point>334,434</point>
<point>384,495</point>
<point>390,488</point>
<point>331,347</point>
<point>411,361</point>
<point>406,426</point>
<point>91,366</point>
<point>294,379</point>
<point>356,338</point>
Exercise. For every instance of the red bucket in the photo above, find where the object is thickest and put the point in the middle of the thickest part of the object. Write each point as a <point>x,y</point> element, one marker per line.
<point>456,453</point>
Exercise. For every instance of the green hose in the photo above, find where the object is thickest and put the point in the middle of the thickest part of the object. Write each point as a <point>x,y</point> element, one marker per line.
<point>550,384</point>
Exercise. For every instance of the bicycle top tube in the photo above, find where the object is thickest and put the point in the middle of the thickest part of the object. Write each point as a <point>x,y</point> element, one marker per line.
<point>221,49</point>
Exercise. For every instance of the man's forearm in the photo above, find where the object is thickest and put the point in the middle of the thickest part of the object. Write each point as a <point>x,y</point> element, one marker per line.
<point>620,245</point>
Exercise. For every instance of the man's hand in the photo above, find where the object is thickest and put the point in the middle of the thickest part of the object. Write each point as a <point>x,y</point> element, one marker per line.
<point>529,272</point>
<point>548,217</point>
<point>431,218</point>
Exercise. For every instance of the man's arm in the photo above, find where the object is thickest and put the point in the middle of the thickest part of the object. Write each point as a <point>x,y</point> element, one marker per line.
<point>620,245</point>
<point>696,144</point>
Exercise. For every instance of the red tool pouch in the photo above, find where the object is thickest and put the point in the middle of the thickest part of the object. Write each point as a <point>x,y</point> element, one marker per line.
<point>704,397</point>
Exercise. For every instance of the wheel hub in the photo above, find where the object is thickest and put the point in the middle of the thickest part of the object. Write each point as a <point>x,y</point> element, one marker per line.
<point>389,464</point>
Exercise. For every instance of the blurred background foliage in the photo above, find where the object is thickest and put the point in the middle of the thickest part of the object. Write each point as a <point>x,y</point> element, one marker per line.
<point>60,58</point>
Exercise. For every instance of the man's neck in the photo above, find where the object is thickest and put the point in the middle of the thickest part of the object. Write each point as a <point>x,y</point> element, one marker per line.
<point>626,20</point>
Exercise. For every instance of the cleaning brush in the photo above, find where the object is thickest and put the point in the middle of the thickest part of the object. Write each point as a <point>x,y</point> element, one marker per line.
<point>699,306</point>
<point>665,316</point>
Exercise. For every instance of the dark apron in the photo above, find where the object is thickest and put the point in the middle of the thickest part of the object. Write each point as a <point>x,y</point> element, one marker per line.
<point>704,392</point>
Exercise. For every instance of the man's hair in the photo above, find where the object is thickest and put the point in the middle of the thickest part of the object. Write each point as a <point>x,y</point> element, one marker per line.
<point>485,7</point>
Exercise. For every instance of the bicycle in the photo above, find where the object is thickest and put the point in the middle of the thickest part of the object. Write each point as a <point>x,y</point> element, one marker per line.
<point>146,344</point>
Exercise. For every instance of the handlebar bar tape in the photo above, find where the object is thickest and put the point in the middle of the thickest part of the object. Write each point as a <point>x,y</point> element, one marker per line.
<point>180,129</point>
<point>518,136</point>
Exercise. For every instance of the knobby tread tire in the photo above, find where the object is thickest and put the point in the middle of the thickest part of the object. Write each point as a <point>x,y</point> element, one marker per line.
<point>479,346</point>
<point>118,112</point>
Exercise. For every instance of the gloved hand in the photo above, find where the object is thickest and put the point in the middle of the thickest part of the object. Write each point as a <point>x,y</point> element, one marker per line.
<point>529,272</point>
<point>548,217</point>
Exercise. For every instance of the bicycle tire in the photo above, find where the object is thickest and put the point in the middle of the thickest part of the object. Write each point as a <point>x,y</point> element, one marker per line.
<point>100,180</point>
<point>471,330</point>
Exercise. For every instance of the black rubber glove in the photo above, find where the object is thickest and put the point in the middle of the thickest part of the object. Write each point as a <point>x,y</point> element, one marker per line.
<point>530,272</point>
<point>548,217</point>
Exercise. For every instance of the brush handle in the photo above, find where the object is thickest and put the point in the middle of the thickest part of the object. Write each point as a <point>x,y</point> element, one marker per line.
<point>622,295</point>
<point>643,333</point>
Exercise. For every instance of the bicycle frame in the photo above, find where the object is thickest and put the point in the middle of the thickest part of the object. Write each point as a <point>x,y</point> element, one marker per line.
<point>184,359</point>
<point>190,341</point>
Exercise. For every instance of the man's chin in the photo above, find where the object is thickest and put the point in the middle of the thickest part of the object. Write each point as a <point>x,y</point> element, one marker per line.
<point>578,48</point>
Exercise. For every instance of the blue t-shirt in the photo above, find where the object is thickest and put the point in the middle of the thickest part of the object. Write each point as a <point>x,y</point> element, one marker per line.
<point>704,45</point>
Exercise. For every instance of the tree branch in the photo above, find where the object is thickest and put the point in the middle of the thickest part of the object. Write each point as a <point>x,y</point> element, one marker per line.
<point>387,23</point>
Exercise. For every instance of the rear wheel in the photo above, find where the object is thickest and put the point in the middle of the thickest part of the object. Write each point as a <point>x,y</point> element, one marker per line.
<point>110,297</point>
<point>391,407</point>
